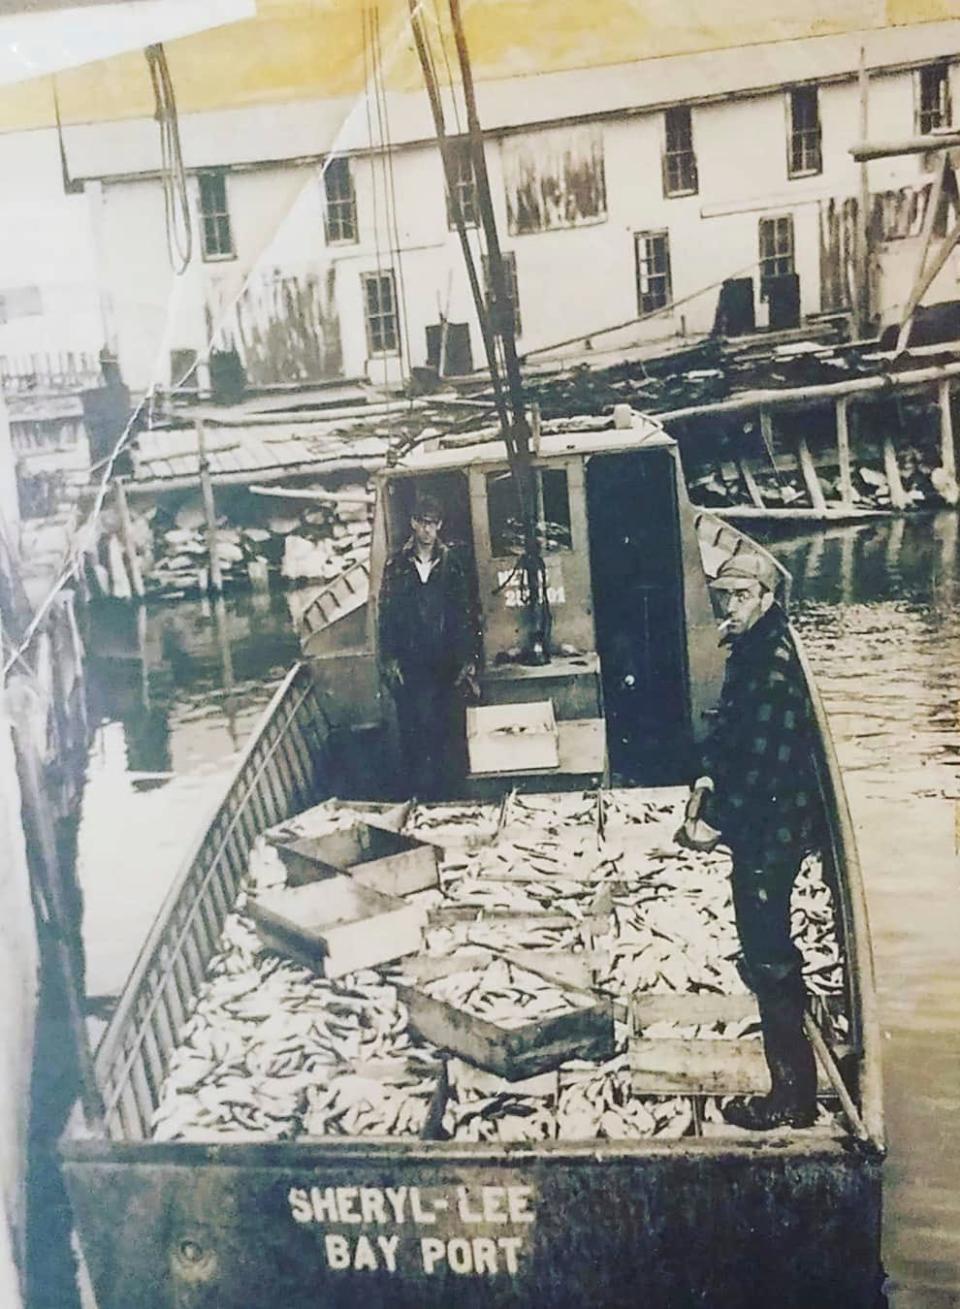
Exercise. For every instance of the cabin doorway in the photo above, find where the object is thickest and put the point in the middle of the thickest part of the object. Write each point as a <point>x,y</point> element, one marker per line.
<point>637,581</point>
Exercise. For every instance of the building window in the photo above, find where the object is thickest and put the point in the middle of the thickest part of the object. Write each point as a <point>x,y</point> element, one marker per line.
<point>679,159</point>
<point>654,287</point>
<point>776,250</point>
<point>380,310</point>
<point>513,290</point>
<point>341,218</point>
<point>933,98</point>
<point>464,185</point>
<point>804,143</point>
<point>215,216</point>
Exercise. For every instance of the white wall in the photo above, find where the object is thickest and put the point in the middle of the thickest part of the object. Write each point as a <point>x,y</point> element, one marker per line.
<point>576,280</point>
<point>47,244</point>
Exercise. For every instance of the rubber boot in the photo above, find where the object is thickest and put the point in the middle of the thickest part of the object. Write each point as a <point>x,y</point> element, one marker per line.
<point>792,1098</point>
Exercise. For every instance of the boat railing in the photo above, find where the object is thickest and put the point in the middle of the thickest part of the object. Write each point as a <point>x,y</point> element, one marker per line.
<point>277,775</point>
<point>728,541</point>
<point>842,855</point>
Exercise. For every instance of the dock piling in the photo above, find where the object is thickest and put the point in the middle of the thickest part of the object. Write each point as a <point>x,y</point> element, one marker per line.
<point>843,450</point>
<point>209,510</point>
<point>810,478</point>
<point>898,498</point>
<point>948,448</point>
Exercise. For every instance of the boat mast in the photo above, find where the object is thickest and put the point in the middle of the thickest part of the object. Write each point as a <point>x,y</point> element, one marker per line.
<point>496,324</point>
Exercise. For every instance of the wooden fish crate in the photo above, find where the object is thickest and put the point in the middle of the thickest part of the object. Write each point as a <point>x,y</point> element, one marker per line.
<point>373,856</point>
<point>316,820</point>
<point>512,738</point>
<point>516,1052</point>
<point>337,926</point>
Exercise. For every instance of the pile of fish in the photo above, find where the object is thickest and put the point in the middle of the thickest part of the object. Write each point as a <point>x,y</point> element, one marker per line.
<point>591,884</point>
<point>504,994</point>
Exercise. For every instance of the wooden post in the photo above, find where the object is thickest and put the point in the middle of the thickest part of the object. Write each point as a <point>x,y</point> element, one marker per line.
<point>810,478</point>
<point>948,449</point>
<point>750,482</point>
<point>206,488</point>
<point>767,434</point>
<point>126,535</point>
<point>898,499</point>
<point>843,451</point>
<point>863,305</point>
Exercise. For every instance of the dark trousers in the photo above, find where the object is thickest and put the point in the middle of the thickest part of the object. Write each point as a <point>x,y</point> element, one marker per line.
<point>763,881</point>
<point>426,710</point>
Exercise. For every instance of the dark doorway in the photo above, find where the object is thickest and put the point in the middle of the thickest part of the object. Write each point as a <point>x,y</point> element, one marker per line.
<point>637,578</point>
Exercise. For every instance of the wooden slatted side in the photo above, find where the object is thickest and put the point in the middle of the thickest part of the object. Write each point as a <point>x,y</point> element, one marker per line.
<point>278,775</point>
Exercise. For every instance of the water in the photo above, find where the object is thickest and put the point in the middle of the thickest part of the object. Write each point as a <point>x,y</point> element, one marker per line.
<point>174,692</point>
<point>878,608</point>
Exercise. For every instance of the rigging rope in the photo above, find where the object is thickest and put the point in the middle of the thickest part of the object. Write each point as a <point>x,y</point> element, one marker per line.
<point>390,193</point>
<point>176,204</point>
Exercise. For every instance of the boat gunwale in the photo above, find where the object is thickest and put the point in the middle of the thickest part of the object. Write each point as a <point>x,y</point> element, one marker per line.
<point>111,1041</point>
<point>858,949</point>
<point>309,1150</point>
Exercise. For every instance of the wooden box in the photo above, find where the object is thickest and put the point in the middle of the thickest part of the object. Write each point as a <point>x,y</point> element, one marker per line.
<point>327,816</point>
<point>337,926</point>
<point>513,1053</point>
<point>374,857</point>
<point>512,738</point>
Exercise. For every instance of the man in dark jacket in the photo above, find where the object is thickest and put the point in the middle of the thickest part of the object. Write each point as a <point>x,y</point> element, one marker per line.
<point>759,788</point>
<point>427,649</point>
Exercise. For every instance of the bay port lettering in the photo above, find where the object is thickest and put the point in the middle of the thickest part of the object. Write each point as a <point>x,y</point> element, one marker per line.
<point>465,1230</point>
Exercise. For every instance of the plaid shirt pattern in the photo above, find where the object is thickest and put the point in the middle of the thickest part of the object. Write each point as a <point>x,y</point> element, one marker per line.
<point>760,752</point>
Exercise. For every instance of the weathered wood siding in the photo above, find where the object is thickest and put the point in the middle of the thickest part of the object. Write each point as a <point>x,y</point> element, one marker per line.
<point>555,178</point>
<point>286,329</point>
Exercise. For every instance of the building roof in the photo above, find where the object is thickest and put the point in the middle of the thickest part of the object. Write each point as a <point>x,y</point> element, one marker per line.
<point>567,436</point>
<point>238,454</point>
<point>512,97</point>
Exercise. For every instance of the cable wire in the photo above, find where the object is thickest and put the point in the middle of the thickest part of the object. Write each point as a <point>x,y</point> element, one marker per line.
<point>176,204</point>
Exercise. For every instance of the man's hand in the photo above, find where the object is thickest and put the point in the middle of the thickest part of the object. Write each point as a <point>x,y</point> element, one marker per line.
<point>698,793</point>
<point>686,834</point>
<point>392,674</point>
<point>466,681</point>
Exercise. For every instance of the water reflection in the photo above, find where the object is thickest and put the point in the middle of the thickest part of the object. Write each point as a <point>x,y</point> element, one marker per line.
<point>877,607</point>
<point>174,692</point>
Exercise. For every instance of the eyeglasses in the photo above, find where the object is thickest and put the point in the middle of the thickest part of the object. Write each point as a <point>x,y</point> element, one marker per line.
<point>427,521</point>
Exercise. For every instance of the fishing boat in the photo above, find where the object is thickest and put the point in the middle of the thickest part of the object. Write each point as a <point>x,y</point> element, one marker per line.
<point>430,1214</point>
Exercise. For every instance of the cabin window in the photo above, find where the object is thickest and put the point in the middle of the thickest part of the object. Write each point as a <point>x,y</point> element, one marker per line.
<point>776,250</point>
<point>341,215</point>
<point>933,98</point>
<point>654,287</point>
<point>215,233</point>
<point>380,309</point>
<point>804,142</point>
<point>464,185</point>
<point>553,512</point>
<point>679,157</point>
<point>513,290</point>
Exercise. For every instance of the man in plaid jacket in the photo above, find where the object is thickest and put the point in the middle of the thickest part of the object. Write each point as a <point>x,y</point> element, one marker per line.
<point>759,788</point>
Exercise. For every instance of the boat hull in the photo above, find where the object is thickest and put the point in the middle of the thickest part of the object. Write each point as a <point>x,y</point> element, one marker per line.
<point>682,1224</point>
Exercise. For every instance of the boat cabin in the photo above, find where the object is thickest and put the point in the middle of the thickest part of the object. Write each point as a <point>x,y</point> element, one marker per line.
<point>634,663</point>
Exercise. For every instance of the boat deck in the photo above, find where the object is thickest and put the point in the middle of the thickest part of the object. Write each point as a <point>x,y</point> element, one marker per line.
<point>542,900</point>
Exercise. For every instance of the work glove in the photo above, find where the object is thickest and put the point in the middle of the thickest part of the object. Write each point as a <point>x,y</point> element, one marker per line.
<point>694,832</point>
<point>392,674</point>
<point>466,682</point>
